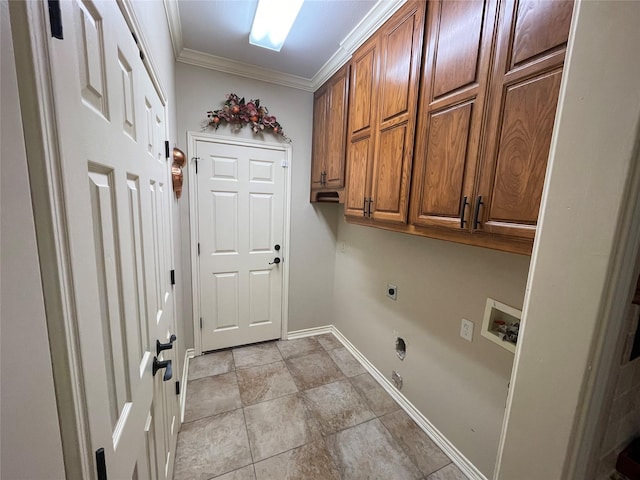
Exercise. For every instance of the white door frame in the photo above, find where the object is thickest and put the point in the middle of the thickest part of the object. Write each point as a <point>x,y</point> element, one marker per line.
<point>192,139</point>
<point>31,35</point>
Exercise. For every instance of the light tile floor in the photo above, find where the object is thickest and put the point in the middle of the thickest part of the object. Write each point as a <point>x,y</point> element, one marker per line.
<point>300,409</point>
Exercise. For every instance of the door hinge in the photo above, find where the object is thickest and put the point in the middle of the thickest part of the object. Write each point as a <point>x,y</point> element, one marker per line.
<point>135,39</point>
<point>55,19</point>
<point>196,160</point>
<point>198,248</point>
<point>173,277</point>
<point>200,323</point>
<point>178,387</point>
<point>166,149</point>
<point>101,464</point>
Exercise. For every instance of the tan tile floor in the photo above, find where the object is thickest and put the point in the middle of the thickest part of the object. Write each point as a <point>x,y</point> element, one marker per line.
<point>300,409</point>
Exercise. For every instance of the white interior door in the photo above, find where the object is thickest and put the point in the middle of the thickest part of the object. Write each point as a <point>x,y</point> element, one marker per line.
<point>111,128</point>
<point>240,203</point>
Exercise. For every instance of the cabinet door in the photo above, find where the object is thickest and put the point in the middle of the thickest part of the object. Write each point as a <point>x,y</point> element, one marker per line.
<point>319,150</point>
<point>525,84</point>
<point>454,84</point>
<point>400,54</point>
<point>362,108</point>
<point>336,128</point>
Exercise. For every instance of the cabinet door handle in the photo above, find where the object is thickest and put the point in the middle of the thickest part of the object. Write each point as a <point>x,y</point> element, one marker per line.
<point>463,207</point>
<point>477,222</point>
<point>364,207</point>
<point>369,208</point>
<point>323,178</point>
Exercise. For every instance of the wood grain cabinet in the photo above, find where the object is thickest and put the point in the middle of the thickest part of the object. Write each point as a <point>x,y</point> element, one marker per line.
<point>484,130</point>
<point>523,96</point>
<point>329,138</point>
<point>383,107</point>
<point>454,84</point>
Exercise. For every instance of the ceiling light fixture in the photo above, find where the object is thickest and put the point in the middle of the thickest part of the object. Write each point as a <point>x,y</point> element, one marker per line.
<point>273,20</point>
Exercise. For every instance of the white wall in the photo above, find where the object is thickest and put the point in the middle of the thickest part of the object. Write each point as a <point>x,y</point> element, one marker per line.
<point>460,387</point>
<point>313,228</point>
<point>30,440</point>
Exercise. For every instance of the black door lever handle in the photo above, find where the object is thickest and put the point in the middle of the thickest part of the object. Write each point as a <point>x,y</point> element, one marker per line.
<point>165,346</point>
<point>275,260</point>
<point>166,364</point>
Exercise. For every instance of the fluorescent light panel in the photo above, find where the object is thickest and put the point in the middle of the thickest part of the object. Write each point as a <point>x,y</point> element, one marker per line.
<point>272,23</point>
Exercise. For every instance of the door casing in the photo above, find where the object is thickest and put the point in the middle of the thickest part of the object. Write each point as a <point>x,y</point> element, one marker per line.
<point>192,139</point>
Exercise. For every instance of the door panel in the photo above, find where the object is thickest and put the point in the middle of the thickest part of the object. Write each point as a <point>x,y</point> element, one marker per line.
<point>458,33</point>
<point>240,192</point>
<point>337,131</point>
<point>119,228</point>
<point>539,27</point>
<point>319,138</point>
<point>400,55</point>
<point>454,84</point>
<point>445,171</point>
<point>357,177</point>
<point>530,48</point>
<point>530,110</point>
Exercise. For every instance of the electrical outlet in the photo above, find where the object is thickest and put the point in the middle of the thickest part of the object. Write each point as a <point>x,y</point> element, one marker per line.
<point>466,329</point>
<point>392,291</point>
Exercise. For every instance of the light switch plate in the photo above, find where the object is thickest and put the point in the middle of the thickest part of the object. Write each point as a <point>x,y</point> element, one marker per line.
<point>466,329</point>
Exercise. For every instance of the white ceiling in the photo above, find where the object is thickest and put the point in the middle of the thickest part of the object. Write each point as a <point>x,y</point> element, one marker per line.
<point>215,34</point>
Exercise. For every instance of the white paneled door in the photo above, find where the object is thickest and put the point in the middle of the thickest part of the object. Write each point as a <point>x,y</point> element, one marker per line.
<point>114,172</point>
<point>241,207</point>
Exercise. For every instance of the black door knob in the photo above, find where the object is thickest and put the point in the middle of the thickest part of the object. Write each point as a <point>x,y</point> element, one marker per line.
<point>277,248</point>
<point>275,260</point>
<point>166,364</point>
<point>165,346</point>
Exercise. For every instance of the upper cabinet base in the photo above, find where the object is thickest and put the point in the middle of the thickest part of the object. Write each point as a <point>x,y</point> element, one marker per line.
<point>495,242</point>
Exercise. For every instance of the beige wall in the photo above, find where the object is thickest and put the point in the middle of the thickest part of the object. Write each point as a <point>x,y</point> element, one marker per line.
<point>460,387</point>
<point>30,445</point>
<point>593,154</point>
<point>312,227</point>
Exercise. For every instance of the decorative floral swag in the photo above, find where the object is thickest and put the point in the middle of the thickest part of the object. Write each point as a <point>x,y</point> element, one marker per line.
<point>239,113</point>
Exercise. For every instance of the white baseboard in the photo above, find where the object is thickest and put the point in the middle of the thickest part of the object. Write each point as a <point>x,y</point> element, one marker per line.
<point>309,332</point>
<point>188,355</point>
<point>468,468</point>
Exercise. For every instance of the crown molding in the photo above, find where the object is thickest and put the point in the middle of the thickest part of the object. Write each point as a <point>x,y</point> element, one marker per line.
<point>175,26</point>
<point>221,64</point>
<point>379,14</point>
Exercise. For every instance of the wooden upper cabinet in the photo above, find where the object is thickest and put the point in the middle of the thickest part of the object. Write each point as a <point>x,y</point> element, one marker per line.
<point>362,108</point>
<point>337,129</point>
<point>454,83</point>
<point>330,136</point>
<point>319,138</point>
<point>400,55</point>
<point>525,84</point>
